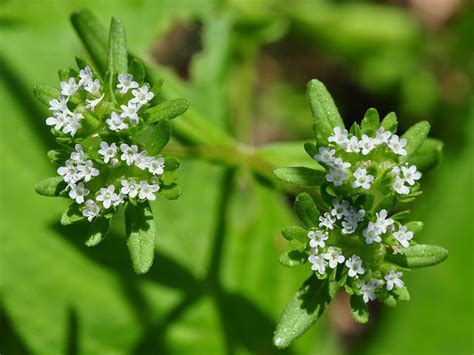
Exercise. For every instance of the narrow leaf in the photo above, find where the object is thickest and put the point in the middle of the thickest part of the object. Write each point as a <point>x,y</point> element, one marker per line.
<point>45,93</point>
<point>306,210</point>
<point>421,255</point>
<point>72,215</point>
<point>166,110</point>
<point>390,122</point>
<point>301,176</point>
<point>137,69</point>
<point>117,54</point>
<point>159,137</point>
<point>51,186</point>
<point>99,229</point>
<point>371,122</point>
<point>302,312</point>
<point>359,309</point>
<point>325,113</point>
<point>140,229</point>
<point>415,137</point>
<point>57,156</point>
<point>293,258</point>
<point>93,36</point>
<point>311,149</point>
<point>295,233</point>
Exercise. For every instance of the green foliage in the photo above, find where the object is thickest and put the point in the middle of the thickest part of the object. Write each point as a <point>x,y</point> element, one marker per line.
<point>100,227</point>
<point>359,309</point>
<point>117,57</point>
<point>300,176</point>
<point>421,255</point>
<point>50,186</point>
<point>415,137</point>
<point>159,137</point>
<point>45,93</point>
<point>167,110</point>
<point>306,210</point>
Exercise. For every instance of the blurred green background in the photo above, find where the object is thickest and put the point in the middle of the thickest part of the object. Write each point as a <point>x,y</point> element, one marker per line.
<point>216,286</point>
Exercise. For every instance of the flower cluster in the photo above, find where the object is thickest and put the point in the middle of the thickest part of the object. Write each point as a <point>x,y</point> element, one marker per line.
<point>350,160</point>
<point>106,163</point>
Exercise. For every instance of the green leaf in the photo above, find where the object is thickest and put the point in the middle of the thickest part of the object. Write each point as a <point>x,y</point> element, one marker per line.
<point>166,110</point>
<point>57,156</point>
<point>140,229</point>
<point>311,149</point>
<point>428,155</point>
<point>45,93</point>
<point>325,113</point>
<point>99,229</point>
<point>293,258</point>
<point>285,154</point>
<point>295,233</point>
<point>370,122</point>
<point>401,293</point>
<point>359,309</point>
<point>302,312</point>
<point>355,130</point>
<point>82,63</point>
<point>420,255</point>
<point>171,163</point>
<point>415,137</point>
<point>51,186</point>
<point>159,137</point>
<point>301,176</point>
<point>390,122</point>
<point>156,88</point>
<point>137,69</point>
<point>117,55</point>
<point>306,210</point>
<point>414,226</point>
<point>171,192</point>
<point>72,215</point>
<point>93,36</point>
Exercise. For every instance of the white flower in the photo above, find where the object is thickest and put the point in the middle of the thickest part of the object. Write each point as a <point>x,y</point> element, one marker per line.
<point>91,211</point>
<point>126,83</point>
<point>318,263</point>
<point>382,136</point>
<point>396,170</point>
<point>397,145</point>
<point>327,221</point>
<point>368,290</point>
<point>147,191</point>
<point>338,163</point>
<point>107,196</point>
<point>403,236</point>
<point>400,187</point>
<point>366,144</point>
<point>59,105</point>
<point>85,75</point>
<point>411,174</point>
<point>129,187</point>
<point>156,166</point>
<point>352,145</point>
<point>78,156</point>
<point>87,170</point>
<point>372,233</point>
<point>69,87</point>
<point>340,208</point>
<point>142,161</point>
<point>78,192</point>
<point>72,123</point>
<point>93,87</point>
<point>91,104</point>
<point>355,266</point>
<point>115,122</point>
<point>336,176</point>
<point>339,137</point>
<point>142,95</point>
<point>130,111</point>
<point>58,120</point>
<point>317,239</point>
<point>362,179</point>
<point>107,151</point>
<point>129,153</point>
<point>325,155</point>
<point>69,172</point>
<point>393,279</point>
<point>348,226</point>
<point>119,200</point>
<point>334,257</point>
<point>383,223</point>
<point>354,215</point>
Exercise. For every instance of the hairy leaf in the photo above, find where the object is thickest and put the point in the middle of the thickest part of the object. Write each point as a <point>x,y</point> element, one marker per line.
<point>166,110</point>
<point>421,255</point>
<point>301,176</point>
<point>370,122</point>
<point>415,137</point>
<point>295,233</point>
<point>428,155</point>
<point>45,93</point>
<point>306,210</point>
<point>390,122</point>
<point>293,258</point>
<point>72,215</point>
<point>99,229</point>
<point>359,309</point>
<point>51,186</point>
<point>159,137</point>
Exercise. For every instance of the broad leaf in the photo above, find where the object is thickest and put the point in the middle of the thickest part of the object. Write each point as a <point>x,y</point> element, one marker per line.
<point>159,137</point>
<point>302,312</point>
<point>137,70</point>
<point>301,176</point>
<point>51,186</point>
<point>325,114</point>
<point>359,309</point>
<point>370,122</point>
<point>140,229</point>
<point>171,192</point>
<point>100,227</point>
<point>306,210</point>
<point>390,122</point>
<point>45,93</point>
<point>295,233</point>
<point>415,137</point>
<point>428,155</point>
<point>166,110</point>
<point>421,255</point>
<point>293,258</point>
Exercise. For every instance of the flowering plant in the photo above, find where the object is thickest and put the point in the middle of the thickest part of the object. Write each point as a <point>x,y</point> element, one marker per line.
<point>111,126</point>
<point>353,239</point>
